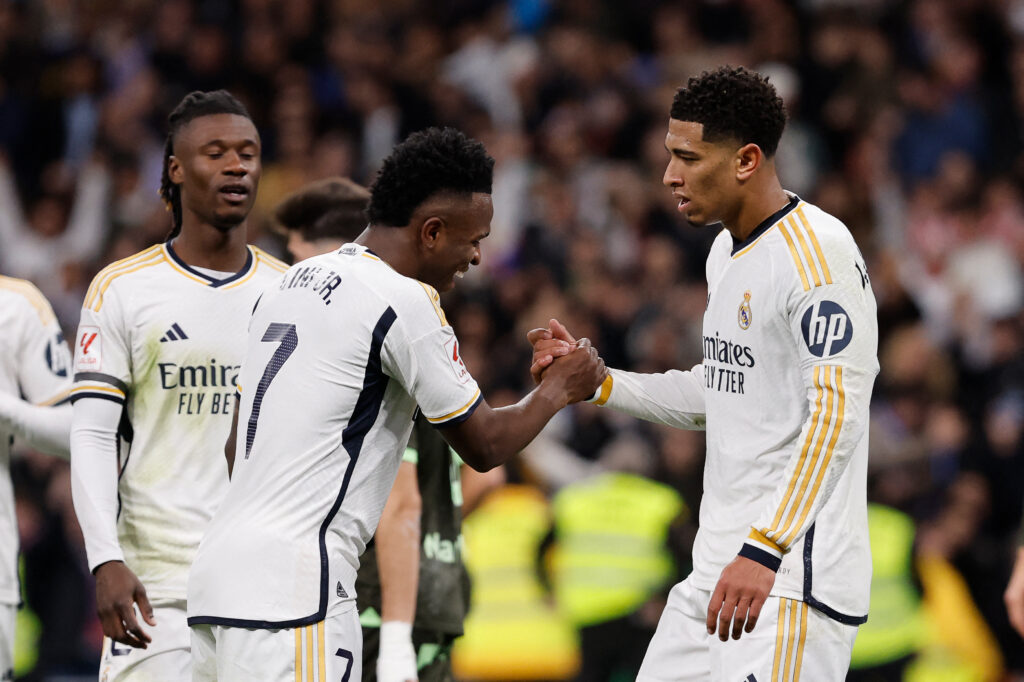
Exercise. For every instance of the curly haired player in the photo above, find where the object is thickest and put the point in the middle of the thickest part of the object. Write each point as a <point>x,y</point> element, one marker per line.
<point>790,342</point>
<point>342,351</point>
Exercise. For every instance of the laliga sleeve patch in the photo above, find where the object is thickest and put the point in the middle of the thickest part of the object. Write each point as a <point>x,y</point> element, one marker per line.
<point>827,329</point>
<point>88,351</point>
<point>451,348</point>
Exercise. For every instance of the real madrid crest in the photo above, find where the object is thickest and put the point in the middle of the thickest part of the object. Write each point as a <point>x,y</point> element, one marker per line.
<point>744,317</point>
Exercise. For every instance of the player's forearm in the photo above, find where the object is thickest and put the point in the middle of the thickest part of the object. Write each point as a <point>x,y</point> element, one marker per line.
<point>398,548</point>
<point>491,436</point>
<point>829,439</point>
<point>45,428</point>
<point>94,469</point>
<point>674,398</point>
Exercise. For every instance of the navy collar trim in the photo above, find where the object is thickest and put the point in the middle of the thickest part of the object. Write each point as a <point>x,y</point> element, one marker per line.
<point>765,224</point>
<point>213,282</point>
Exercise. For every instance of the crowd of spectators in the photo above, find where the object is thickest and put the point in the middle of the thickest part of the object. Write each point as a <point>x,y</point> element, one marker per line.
<point>906,122</point>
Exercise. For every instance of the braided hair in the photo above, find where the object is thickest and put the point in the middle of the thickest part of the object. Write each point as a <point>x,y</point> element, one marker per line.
<point>194,105</point>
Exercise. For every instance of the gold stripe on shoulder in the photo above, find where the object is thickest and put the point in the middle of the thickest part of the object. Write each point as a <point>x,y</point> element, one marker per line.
<point>435,299</point>
<point>796,257</point>
<point>806,251</point>
<point>30,292</point>
<point>270,260</point>
<point>98,296</point>
<point>814,241</point>
<point>116,268</point>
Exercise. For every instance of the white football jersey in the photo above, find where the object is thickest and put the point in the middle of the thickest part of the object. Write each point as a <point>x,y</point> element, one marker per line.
<point>166,341</point>
<point>34,365</point>
<point>341,351</point>
<point>790,356</point>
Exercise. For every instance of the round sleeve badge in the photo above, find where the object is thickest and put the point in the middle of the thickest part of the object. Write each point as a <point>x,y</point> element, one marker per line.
<point>827,328</point>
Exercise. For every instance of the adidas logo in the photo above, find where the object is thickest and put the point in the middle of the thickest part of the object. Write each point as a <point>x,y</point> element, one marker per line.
<point>341,591</point>
<point>175,333</point>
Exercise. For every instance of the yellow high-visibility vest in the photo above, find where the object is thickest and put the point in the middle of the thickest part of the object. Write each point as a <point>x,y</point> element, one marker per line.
<point>611,555</point>
<point>512,630</point>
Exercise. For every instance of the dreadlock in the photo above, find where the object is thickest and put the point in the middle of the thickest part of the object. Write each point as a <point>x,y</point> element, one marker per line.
<point>194,105</point>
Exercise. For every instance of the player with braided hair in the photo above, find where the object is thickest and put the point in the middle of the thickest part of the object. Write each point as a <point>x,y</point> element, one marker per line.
<point>156,356</point>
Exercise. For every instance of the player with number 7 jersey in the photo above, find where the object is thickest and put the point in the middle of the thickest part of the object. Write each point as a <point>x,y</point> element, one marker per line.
<point>341,352</point>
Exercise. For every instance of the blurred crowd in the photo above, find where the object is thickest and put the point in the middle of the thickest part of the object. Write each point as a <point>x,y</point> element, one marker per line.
<point>906,122</point>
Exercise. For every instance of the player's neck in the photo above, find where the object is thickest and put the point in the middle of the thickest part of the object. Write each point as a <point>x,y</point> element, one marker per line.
<point>759,205</point>
<point>204,246</point>
<point>393,246</point>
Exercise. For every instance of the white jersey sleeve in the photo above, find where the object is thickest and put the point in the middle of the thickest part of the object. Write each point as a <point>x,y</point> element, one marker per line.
<point>102,375</point>
<point>831,315</point>
<point>41,367</point>
<point>426,360</point>
<point>674,398</point>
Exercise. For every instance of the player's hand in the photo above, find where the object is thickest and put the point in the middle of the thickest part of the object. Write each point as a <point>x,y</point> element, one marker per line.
<point>548,344</point>
<point>738,597</point>
<point>579,373</point>
<point>396,656</point>
<point>1014,595</point>
<point>117,592</point>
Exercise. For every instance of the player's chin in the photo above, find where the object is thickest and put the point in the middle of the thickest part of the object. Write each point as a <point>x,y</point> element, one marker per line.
<point>229,218</point>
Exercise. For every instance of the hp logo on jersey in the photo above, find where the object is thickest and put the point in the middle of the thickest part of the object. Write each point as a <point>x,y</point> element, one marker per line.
<point>827,329</point>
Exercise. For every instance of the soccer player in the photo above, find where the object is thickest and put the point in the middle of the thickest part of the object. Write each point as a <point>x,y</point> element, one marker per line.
<point>34,363</point>
<point>322,216</point>
<point>412,588</point>
<point>341,352</point>
<point>790,341</point>
<point>157,355</point>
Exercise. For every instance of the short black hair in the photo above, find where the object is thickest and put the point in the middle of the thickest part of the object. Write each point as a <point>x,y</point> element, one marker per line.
<point>194,105</point>
<point>332,207</point>
<point>732,102</point>
<point>429,162</point>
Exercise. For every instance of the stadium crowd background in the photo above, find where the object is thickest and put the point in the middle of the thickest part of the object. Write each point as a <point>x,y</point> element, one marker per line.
<point>906,121</point>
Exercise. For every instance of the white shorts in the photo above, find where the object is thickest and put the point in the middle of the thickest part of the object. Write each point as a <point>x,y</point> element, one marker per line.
<point>331,650</point>
<point>791,641</point>
<point>167,658</point>
<point>8,615</point>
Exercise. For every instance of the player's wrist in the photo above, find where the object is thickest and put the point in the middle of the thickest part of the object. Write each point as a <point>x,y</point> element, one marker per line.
<point>761,556</point>
<point>396,659</point>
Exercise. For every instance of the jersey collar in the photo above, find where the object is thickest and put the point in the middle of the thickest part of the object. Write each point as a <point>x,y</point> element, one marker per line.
<point>202,276</point>
<point>765,224</point>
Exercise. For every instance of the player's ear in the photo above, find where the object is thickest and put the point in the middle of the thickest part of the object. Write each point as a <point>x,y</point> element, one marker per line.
<point>430,231</point>
<point>748,159</point>
<point>174,170</point>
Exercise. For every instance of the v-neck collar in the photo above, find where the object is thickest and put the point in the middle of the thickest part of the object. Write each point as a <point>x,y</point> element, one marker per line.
<point>211,281</point>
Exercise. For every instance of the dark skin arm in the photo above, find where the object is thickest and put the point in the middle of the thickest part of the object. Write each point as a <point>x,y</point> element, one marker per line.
<point>491,436</point>
<point>117,590</point>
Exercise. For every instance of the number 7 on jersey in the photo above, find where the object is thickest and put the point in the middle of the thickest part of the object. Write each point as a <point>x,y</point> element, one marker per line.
<point>284,334</point>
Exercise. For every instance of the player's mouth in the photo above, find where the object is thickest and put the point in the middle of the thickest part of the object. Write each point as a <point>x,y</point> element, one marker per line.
<point>234,193</point>
<point>461,272</point>
<point>684,202</point>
